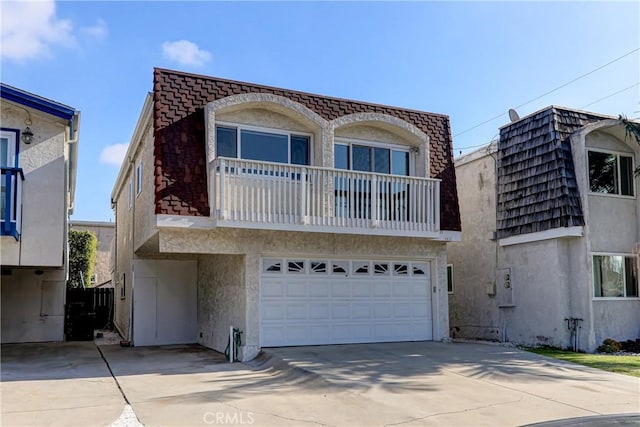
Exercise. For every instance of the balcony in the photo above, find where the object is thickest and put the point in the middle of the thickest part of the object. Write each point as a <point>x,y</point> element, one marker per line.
<point>11,201</point>
<point>262,195</point>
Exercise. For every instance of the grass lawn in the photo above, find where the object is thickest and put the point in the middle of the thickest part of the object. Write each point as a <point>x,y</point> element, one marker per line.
<point>628,365</point>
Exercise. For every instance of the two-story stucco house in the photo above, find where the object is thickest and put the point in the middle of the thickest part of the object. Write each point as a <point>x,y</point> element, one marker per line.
<point>552,224</point>
<point>38,155</point>
<point>297,218</point>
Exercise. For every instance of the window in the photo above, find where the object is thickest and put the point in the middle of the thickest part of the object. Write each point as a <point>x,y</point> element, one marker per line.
<point>371,158</point>
<point>400,269</point>
<point>268,146</point>
<point>10,181</point>
<point>381,269</point>
<point>8,148</point>
<point>615,276</point>
<point>318,266</point>
<point>353,196</point>
<point>610,173</point>
<point>450,278</point>
<point>130,194</point>
<point>295,266</point>
<point>272,265</point>
<point>138,178</point>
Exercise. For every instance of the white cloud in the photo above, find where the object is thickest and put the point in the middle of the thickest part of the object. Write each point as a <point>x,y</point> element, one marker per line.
<point>98,31</point>
<point>30,28</point>
<point>185,52</point>
<point>113,154</point>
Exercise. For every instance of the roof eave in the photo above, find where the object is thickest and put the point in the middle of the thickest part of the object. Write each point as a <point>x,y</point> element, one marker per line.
<point>36,102</point>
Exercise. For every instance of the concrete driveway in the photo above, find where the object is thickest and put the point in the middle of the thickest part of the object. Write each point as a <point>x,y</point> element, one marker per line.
<point>57,384</point>
<point>426,383</point>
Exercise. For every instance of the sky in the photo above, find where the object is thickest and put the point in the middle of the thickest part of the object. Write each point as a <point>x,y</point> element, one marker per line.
<point>472,61</point>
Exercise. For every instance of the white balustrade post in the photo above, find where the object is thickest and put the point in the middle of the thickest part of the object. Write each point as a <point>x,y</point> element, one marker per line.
<point>436,204</point>
<point>374,202</point>
<point>223,183</point>
<point>303,196</point>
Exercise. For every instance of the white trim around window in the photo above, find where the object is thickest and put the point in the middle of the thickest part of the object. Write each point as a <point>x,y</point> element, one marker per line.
<point>350,142</point>
<point>615,276</point>
<point>618,173</point>
<point>283,132</point>
<point>138,179</point>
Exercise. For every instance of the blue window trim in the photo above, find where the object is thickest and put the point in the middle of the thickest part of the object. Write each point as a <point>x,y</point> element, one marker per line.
<point>8,227</point>
<point>17,132</point>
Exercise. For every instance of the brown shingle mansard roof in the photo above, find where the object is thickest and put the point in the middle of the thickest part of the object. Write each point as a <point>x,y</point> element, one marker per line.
<point>537,188</point>
<point>180,161</point>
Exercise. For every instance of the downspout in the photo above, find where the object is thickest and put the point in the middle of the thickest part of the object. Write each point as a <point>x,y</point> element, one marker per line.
<point>133,243</point>
<point>74,126</point>
<point>501,321</point>
<point>72,143</point>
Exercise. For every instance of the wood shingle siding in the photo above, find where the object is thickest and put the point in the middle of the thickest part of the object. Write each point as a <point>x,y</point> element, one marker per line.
<point>537,188</point>
<point>180,165</point>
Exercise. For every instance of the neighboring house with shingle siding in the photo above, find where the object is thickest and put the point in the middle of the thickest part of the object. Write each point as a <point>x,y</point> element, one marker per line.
<point>297,218</point>
<point>38,157</point>
<point>551,219</point>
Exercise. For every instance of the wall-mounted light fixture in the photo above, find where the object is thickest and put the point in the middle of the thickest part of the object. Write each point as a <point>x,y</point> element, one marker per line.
<point>27,134</point>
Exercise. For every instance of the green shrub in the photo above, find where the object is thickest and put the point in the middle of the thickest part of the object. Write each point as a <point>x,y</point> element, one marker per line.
<point>631,346</point>
<point>609,346</point>
<point>82,257</point>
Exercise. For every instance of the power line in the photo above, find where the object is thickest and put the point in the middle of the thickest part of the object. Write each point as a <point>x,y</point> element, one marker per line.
<point>584,106</point>
<point>610,95</point>
<point>551,91</point>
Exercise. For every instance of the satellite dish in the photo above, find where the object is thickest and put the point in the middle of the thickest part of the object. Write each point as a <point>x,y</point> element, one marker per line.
<point>513,115</point>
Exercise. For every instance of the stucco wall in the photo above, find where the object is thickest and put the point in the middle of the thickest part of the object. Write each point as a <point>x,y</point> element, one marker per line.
<point>619,320</point>
<point>619,214</point>
<point>135,225</point>
<point>473,306</point>
<point>221,298</point>
<point>144,202</point>
<point>33,306</point>
<point>613,226</point>
<point>250,245</point>
<point>124,258</point>
<point>44,204</point>
<point>104,232</point>
<point>541,293</point>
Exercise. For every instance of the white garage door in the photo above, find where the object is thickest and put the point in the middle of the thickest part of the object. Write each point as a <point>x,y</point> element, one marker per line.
<point>316,301</point>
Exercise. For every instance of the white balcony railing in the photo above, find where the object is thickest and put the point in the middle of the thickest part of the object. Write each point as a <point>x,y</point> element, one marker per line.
<point>253,194</point>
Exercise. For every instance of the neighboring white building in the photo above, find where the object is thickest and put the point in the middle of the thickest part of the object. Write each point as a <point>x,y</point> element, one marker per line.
<point>104,232</point>
<point>552,223</point>
<point>38,155</point>
<point>298,218</point>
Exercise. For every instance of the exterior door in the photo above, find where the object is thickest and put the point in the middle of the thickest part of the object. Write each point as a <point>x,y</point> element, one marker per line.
<point>164,302</point>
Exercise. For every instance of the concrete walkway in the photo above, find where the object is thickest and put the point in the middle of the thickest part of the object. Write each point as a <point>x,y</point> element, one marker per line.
<point>455,384</point>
